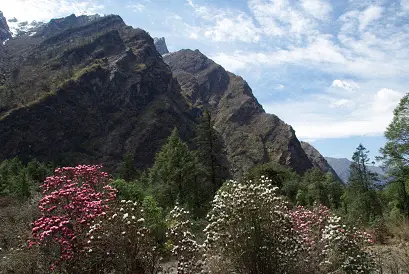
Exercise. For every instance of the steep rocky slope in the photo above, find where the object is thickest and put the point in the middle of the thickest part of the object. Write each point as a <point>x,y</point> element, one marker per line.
<point>251,135</point>
<point>86,90</point>
<point>318,160</point>
<point>4,28</point>
<point>89,89</point>
<point>160,45</point>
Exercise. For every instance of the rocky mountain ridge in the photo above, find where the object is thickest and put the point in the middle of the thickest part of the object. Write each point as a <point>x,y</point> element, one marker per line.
<point>251,135</point>
<point>89,89</point>
<point>88,92</point>
<point>318,160</point>
<point>4,29</point>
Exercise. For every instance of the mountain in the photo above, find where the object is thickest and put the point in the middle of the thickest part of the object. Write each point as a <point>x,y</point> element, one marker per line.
<point>160,45</point>
<point>250,134</point>
<point>318,160</point>
<point>87,90</point>
<point>4,29</point>
<point>341,167</point>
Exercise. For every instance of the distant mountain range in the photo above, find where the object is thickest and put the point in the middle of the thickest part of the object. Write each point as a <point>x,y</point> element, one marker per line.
<point>341,167</point>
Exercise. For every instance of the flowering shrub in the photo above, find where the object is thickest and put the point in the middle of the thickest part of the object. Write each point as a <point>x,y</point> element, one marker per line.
<point>72,198</point>
<point>120,241</point>
<point>329,245</point>
<point>184,245</point>
<point>344,249</point>
<point>250,231</point>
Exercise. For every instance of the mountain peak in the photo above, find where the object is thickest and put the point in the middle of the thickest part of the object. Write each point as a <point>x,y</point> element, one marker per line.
<point>160,45</point>
<point>4,28</point>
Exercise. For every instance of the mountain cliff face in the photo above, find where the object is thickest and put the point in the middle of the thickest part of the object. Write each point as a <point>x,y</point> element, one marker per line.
<point>318,160</point>
<point>160,45</point>
<point>251,135</point>
<point>4,29</point>
<point>89,89</point>
<point>84,91</point>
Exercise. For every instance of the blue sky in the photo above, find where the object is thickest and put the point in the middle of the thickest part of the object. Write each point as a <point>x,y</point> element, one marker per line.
<point>334,70</point>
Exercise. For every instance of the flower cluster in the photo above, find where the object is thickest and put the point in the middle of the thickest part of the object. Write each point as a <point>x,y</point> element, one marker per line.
<point>120,240</point>
<point>250,229</point>
<point>344,248</point>
<point>72,198</point>
<point>185,247</point>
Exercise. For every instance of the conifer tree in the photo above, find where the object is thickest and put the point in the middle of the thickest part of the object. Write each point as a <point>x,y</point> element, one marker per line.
<point>361,201</point>
<point>173,173</point>
<point>210,152</point>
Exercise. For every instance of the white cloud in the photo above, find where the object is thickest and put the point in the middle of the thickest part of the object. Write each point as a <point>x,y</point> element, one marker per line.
<point>405,4</point>
<point>224,25</point>
<point>319,9</point>
<point>344,84</point>
<point>331,116</point>
<point>369,15</point>
<point>280,17</point>
<point>44,10</point>
<point>240,28</point>
<point>136,7</point>
<point>193,35</point>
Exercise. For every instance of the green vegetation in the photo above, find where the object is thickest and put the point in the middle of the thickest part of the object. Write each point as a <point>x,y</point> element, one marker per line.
<point>272,217</point>
<point>19,180</point>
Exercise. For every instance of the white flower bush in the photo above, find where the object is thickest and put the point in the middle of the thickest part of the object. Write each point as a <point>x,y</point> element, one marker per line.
<point>250,231</point>
<point>121,242</point>
<point>344,249</point>
<point>184,245</point>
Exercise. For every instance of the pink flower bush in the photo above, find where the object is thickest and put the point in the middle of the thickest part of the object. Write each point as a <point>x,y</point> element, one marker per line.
<point>72,198</point>
<point>330,245</point>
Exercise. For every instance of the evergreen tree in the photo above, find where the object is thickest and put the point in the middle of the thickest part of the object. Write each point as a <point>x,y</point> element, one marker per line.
<point>173,174</point>
<point>395,153</point>
<point>210,152</point>
<point>361,201</point>
<point>127,170</point>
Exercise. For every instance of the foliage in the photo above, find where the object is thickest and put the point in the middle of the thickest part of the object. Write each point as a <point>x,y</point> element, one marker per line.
<point>395,153</point>
<point>361,201</point>
<point>16,179</point>
<point>210,152</point>
<point>127,170</point>
<point>174,175</point>
<point>72,197</point>
<point>320,188</point>
<point>120,241</point>
<point>128,190</point>
<point>155,221</point>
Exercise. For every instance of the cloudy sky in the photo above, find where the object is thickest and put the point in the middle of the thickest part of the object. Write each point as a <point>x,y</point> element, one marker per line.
<point>334,70</point>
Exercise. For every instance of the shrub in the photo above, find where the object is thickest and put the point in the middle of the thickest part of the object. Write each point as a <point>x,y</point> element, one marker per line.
<point>121,242</point>
<point>250,231</point>
<point>72,198</point>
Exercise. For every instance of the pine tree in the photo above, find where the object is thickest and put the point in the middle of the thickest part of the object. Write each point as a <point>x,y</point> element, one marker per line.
<point>127,170</point>
<point>210,152</point>
<point>173,173</point>
<point>361,200</point>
